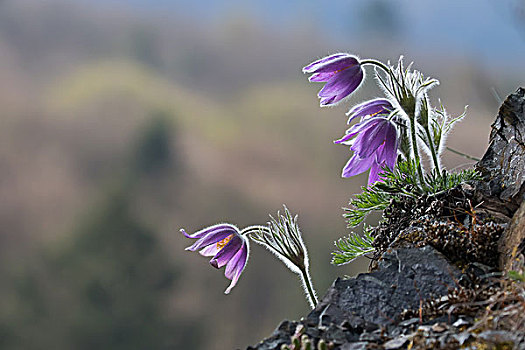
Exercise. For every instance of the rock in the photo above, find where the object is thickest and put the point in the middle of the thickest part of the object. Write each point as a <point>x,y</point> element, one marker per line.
<point>512,241</point>
<point>409,322</point>
<point>362,345</point>
<point>396,343</point>
<point>503,164</point>
<point>280,336</point>
<point>404,278</point>
<point>462,337</point>
<point>355,310</point>
<point>499,338</point>
<point>439,327</point>
<point>461,323</point>
<point>503,169</point>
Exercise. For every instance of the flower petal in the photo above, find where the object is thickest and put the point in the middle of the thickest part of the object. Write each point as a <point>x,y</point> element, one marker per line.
<point>340,81</point>
<point>356,165</point>
<point>325,101</point>
<point>321,77</point>
<point>368,104</point>
<point>236,266</point>
<point>351,86</point>
<point>312,67</point>
<point>389,155</point>
<point>227,252</point>
<point>373,176</point>
<point>359,128</point>
<point>373,107</point>
<point>210,250</point>
<point>209,229</point>
<point>369,139</point>
<point>345,139</point>
<point>211,238</point>
<point>337,64</point>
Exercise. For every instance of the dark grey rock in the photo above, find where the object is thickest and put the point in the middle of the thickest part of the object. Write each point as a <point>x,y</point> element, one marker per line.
<point>370,337</point>
<point>462,337</point>
<point>313,332</point>
<point>404,277</point>
<point>361,345</point>
<point>280,336</point>
<point>462,322</point>
<point>514,236</point>
<point>500,337</point>
<point>360,308</point>
<point>338,335</point>
<point>410,322</point>
<point>503,165</point>
<point>396,343</point>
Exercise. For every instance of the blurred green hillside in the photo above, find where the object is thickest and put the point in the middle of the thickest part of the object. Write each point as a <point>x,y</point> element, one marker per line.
<point>119,128</point>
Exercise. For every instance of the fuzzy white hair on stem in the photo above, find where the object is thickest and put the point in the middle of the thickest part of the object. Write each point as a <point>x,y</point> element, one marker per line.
<point>283,238</point>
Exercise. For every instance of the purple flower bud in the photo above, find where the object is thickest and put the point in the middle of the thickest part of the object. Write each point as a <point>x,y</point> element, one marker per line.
<point>342,74</point>
<point>374,143</point>
<point>227,246</point>
<point>371,108</point>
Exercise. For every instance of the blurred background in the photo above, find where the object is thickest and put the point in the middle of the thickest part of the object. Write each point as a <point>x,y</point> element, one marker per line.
<point>123,121</point>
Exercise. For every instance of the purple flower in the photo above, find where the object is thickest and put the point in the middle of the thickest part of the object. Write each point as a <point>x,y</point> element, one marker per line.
<point>371,108</point>
<point>342,73</point>
<point>374,143</point>
<point>227,246</point>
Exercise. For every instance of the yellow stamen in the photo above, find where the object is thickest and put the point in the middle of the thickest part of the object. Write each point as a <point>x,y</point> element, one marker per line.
<point>225,241</point>
<point>342,69</point>
<point>376,113</point>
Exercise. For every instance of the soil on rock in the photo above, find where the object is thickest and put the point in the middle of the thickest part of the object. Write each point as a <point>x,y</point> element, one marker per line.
<point>450,222</point>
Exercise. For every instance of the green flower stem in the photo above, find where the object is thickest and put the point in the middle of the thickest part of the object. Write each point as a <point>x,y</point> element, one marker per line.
<point>432,150</point>
<point>415,149</point>
<point>376,63</point>
<point>411,117</point>
<point>307,282</point>
<point>463,154</point>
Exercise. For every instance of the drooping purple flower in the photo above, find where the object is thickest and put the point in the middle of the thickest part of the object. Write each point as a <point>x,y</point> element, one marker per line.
<point>227,246</point>
<point>342,74</point>
<point>374,142</point>
<point>370,108</point>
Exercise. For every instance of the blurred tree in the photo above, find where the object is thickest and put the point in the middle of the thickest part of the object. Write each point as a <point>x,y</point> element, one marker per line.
<point>107,289</point>
<point>108,286</point>
<point>122,277</point>
<point>153,150</point>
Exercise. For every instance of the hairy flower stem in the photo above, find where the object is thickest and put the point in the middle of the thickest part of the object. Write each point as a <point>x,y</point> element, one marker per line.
<point>283,238</point>
<point>376,63</point>
<point>412,118</point>
<point>307,284</point>
<point>433,151</point>
<point>415,149</point>
<point>463,154</point>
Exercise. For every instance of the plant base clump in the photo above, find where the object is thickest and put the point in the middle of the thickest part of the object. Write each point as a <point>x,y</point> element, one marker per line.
<point>449,222</point>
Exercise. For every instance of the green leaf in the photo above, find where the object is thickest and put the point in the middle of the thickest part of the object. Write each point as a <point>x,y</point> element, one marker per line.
<point>352,247</point>
<point>515,275</point>
<point>371,199</point>
<point>402,182</point>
